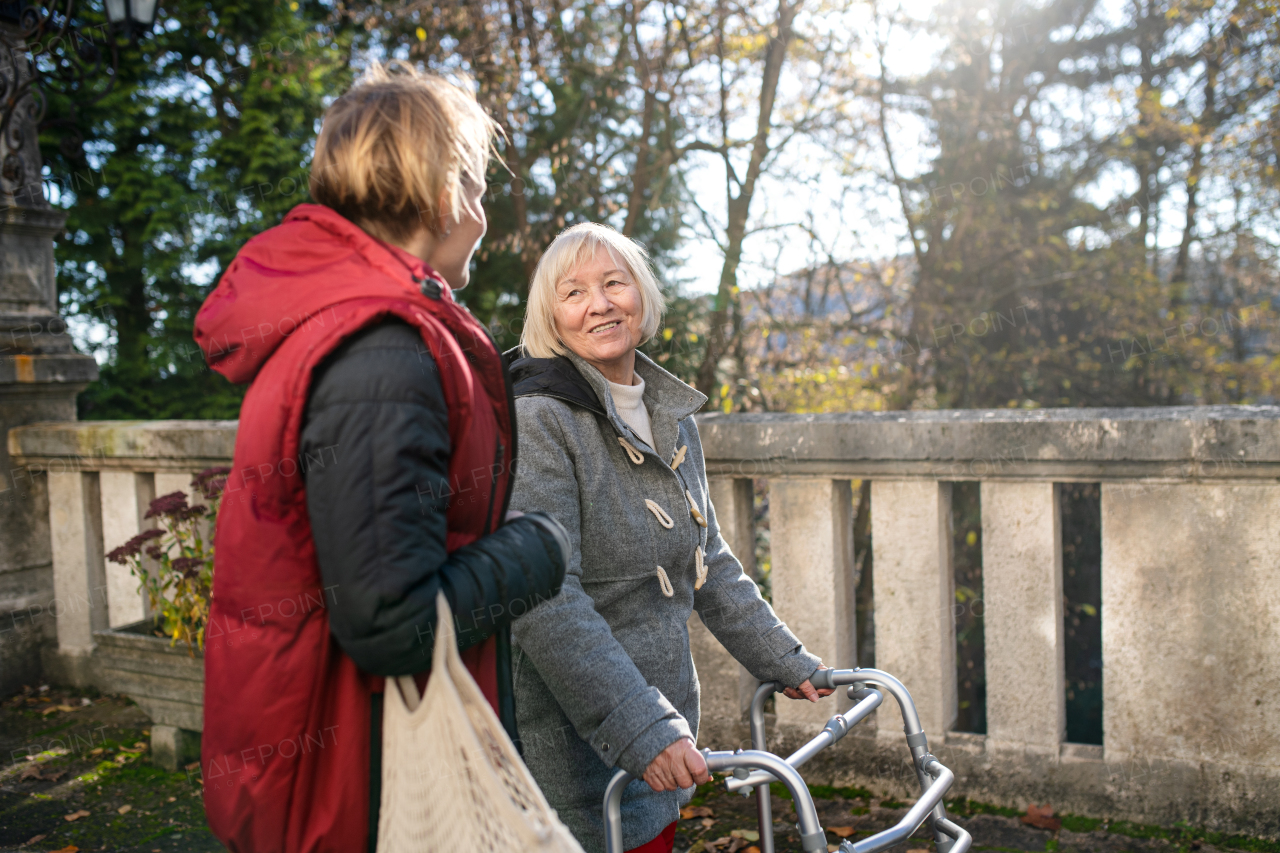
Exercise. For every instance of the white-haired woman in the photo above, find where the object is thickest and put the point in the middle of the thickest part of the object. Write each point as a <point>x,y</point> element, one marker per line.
<point>608,445</point>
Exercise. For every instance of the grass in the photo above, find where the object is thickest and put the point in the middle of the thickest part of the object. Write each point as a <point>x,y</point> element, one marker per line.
<point>91,760</point>
<point>1182,836</point>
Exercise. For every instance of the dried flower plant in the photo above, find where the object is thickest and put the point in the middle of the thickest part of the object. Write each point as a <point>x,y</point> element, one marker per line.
<point>180,586</point>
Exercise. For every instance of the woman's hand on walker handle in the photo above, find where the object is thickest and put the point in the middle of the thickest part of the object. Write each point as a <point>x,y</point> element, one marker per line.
<point>678,766</point>
<point>807,691</point>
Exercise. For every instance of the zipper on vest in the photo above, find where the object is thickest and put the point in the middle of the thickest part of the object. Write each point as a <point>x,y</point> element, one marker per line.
<point>493,487</point>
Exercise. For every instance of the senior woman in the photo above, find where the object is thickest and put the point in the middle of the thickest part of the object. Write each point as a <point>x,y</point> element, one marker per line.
<point>608,445</point>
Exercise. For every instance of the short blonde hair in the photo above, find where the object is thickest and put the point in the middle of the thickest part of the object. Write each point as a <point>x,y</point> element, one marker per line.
<point>396,150</point>
<point>569,251</point>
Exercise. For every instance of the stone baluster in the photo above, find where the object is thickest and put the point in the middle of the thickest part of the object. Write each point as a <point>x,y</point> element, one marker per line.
<point>914,588</point>
<point>1022,616</point>
<point>811,525</point>
<point>126,496</point>
<point>79,578</point>
<point>723,680</point>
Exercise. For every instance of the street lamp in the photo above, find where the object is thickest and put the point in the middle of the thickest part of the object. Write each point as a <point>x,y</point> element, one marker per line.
<point>132,14</point>
<point>30,30</point>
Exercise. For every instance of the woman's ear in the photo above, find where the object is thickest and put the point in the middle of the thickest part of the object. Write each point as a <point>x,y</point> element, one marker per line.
<point>444,216</point>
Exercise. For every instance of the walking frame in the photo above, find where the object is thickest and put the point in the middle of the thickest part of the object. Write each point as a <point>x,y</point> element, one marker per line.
<point>756,768</point>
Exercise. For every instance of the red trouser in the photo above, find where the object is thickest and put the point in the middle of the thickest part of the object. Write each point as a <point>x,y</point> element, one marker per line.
<point>664,843</point>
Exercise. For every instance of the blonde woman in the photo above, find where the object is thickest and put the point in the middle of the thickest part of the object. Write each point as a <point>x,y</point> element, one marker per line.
<point>354,497</point>
<point>608,446</point>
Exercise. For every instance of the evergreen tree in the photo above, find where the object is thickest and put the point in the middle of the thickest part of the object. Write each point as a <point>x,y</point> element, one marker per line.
<point>202,141</point>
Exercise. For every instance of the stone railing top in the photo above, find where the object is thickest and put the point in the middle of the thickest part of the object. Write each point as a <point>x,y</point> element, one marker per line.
<point>137,445</point>
<point>1174,443</point>
<point>1208,443</point>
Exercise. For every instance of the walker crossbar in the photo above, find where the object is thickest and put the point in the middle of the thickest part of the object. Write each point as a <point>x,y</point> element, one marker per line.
<point>836,728</point>
<point>812,838</point>
<point>867,688</point>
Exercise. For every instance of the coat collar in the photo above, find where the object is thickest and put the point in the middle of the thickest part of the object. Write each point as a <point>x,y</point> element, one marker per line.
<point>573,380</point>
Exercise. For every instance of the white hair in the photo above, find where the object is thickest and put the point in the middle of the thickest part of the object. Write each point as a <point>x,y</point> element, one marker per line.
<point>569,251</point>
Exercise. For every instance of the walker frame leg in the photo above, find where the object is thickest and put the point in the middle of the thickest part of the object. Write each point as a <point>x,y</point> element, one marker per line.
<point>757,768</point>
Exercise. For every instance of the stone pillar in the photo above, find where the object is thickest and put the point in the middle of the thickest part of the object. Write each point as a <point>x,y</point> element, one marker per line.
<point>126,495</point>
<point>722,678</point>
<point>79,578</point>
<point>40,375</point>
<point>1190,599</point>
<point>811,524</point>
<point>914,587</point>
<point>1022,616</point>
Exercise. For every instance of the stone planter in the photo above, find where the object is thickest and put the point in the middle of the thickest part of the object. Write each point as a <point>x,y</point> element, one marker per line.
<point>167,683</point>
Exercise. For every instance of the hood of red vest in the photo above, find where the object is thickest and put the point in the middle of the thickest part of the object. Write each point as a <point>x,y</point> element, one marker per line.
<point>284,279</point>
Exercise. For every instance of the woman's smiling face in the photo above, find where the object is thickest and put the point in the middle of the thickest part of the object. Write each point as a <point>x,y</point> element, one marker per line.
<point>598,314</point>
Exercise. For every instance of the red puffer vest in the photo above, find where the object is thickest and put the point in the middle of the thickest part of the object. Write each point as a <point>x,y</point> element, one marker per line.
<point>287,737</point>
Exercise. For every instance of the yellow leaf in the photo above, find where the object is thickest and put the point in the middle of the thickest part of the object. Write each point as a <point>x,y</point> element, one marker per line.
<point>421,34</point>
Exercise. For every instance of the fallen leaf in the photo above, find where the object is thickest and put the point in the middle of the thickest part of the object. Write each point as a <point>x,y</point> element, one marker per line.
<point>65,708</point>
<point>125,809</point>
<point>1041,817</point>
<point>751,849</point>
<point>51,710</point>
<point>36,838</point>
<point>70,848</point>
<point>708,822</point>
<point>173,799</point>
<point>842,831</point>
<point>75,815</point>
<point>97,751</point>
<point>747,834</point>
<point>690,812</point>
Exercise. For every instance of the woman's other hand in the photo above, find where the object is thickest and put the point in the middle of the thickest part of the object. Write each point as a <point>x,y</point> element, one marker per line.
<point>807,691</point>
<point>678,766</point>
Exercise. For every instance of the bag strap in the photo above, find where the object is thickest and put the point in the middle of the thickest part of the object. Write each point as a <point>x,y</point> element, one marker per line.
<point>444,656</point>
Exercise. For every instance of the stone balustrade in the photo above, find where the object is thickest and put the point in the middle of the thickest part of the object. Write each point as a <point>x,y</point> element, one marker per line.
<point>1190,583</point>
<point>100,478</point>
<point>1190,579</point>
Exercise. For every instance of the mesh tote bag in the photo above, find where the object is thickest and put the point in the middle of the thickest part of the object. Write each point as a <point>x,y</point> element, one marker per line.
<point>451,778</point>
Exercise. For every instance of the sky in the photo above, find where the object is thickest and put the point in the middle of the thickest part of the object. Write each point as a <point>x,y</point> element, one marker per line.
<point>871,227</point>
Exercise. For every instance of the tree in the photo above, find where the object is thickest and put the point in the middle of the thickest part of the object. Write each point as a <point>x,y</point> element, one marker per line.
<point>1011,213</point>
<point>590,98</point>
<point>202,142</point>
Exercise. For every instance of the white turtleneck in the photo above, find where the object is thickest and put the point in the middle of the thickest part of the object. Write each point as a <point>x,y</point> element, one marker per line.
<point>629,401</point>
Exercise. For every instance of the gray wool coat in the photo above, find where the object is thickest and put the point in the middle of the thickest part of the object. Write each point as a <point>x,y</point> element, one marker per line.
<point>602,672</point>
